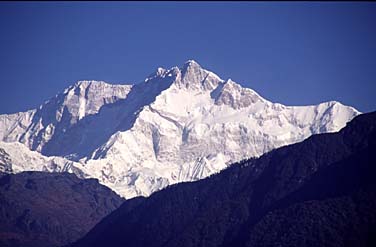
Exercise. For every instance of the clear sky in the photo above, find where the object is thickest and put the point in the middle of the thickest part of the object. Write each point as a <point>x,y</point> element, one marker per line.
<point>290,52</point>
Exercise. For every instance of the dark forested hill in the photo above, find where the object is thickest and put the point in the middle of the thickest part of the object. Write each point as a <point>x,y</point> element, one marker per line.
<point>320,192</point>
<point>50,209</point>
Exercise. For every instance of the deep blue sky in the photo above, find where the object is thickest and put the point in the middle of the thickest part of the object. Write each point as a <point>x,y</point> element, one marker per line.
<point>291,53</point>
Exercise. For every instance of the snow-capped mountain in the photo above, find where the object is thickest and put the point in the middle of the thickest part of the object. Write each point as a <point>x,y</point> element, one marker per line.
<point>15,157</point>
<point>39,128</point>
<point>180,124</point>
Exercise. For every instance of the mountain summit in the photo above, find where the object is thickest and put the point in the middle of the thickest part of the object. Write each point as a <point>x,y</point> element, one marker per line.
<point>180,124</point>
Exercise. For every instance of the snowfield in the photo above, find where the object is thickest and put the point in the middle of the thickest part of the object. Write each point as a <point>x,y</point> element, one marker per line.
<point>180,124</point>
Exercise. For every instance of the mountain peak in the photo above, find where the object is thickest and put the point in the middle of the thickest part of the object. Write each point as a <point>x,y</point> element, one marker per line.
<point>191,62</point>
<point>183,118</point>
<point>191,66</point>
<point>232,94</point>
<point>158,73</point>
<point>193,76</point>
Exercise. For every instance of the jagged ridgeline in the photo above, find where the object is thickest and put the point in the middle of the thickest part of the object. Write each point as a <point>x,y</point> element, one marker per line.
<point>180,124</point>
<point>320,192</point>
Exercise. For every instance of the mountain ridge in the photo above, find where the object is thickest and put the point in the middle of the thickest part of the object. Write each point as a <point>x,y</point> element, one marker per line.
<point>50,209</point>
<point>327,179</point>
<point>139,138</point>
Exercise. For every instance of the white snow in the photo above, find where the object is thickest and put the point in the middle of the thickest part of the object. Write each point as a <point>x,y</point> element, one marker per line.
<point>178,125</point>
<point>23,159</point>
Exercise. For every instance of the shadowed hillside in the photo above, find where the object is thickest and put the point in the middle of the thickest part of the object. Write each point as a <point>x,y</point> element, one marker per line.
<point>320,192</point>
<point>50,209</point>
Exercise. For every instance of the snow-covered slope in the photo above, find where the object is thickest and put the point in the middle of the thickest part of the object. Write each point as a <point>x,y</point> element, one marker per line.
<point>39,128</point>
<point>16,157</point>
<point>180,124</point>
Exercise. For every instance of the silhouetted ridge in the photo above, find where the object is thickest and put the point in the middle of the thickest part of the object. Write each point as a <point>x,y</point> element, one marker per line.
<point>320,192</point>
<point>50,209</point>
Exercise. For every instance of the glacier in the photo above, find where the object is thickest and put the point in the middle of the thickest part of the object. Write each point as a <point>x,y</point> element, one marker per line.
<point>179,124</point>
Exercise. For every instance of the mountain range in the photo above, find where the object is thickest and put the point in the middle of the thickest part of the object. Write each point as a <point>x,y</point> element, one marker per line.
<point>180,124</point>
<point>319,192</point>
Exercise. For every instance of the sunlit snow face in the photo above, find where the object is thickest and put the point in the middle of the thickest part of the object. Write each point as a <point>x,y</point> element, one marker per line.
<point>180,124</point>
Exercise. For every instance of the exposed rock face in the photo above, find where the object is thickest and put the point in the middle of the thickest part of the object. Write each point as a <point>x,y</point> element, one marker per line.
<point>37,128</point>
<point>234,95</point>
<point>5,162</point>
<point>180,124</point>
